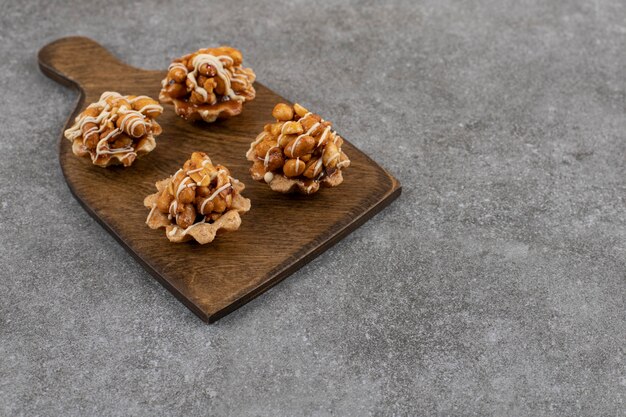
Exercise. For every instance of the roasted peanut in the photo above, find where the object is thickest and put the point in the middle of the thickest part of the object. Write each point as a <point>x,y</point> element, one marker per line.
<point>313,168</point>
<point>175,90</point>
<point>299,146</point>
<point>92,111</point>
<point>121,141</point>
<point>178,74</point>
<point>236,56</point>
<point>220,86</point>
<point>190,85</point>
<point>323,135</point>
<point>219,204</point>
<point>89,129</point>
<point>282,112</point>
<point>209,85</point>
<point>275,159</point>
<point>207,70</point>
<point>178,177</point>
<point>205,176</point>
<point>331,155</point>
<point>290,128</point>
<point>133,124</point>
<point>186,192</point>
<point>309,121</point>
<point>233,53</point>
<point>147,106</point>
<point>264,146</point>
<point>238,84</point>
<point>196,98</point>
<point>198,158</point>
<point>189,165</point>
<point>203,191</point>
<point>91,141</point>
<point>275,128</point>
<point>106,132</point>
<point>222,176</point>
<point>203,205</point>
<point>186,216</point>
<point>283,140</point>
<point>300,111</point>
<point>155,128</point>
<point>293,168</point>
<point>164,201</point>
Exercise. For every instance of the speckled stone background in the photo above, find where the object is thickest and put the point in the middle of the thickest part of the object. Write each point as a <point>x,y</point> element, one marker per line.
<point>495,285</point>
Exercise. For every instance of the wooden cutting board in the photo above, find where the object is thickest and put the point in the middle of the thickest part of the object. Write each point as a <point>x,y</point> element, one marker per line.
<point>280,234</point>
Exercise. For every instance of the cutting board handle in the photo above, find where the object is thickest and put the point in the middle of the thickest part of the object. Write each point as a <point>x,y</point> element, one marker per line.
<point>78,61</point>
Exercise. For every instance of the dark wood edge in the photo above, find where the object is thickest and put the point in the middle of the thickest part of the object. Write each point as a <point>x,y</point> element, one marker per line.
<point>52,73</point>
<point>393,193</point>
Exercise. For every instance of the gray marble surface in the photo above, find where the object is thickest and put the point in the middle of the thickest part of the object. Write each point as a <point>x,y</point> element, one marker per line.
<point>495,285</point>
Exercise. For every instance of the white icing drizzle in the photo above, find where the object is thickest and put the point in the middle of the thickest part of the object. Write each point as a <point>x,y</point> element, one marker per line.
<point>203,206</point>
<point>181,186</point>
<point>150,107</point>
<point>222,73</point>
<point>336,156</point>
<point>318,166</point>
<point>103,143</point>
<point>136,119</point>
<point>177,172</point>
<point>204,163</point>
<point>176,65</point>
<point>323,137</point>
<point>308,132</point>
<point>151,212</point>
<point>185,231</point>
<point>174,203</point>
<point>266,160</point>
<point>258,140</point>
<point>105,117</point>
<point>219,190</point>
<point>212,197</point>
<point>317,171</point>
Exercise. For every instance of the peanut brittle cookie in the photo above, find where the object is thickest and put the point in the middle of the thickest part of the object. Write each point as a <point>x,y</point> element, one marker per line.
<point>116,129</point>
<point>196,202</point>
<point>208,84</point>
<point>298,153</point>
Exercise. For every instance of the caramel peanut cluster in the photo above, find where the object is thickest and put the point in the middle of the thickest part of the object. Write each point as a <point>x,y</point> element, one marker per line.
<point>298,152</point>
<point>208,84</point>
<point>197,201</point>
<point>116,129</point>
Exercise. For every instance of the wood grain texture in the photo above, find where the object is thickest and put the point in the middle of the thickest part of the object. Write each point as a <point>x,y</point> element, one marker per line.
<point>280,234</point>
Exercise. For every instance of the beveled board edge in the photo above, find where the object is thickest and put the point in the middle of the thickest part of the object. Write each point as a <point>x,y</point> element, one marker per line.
<point>393,193</point>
